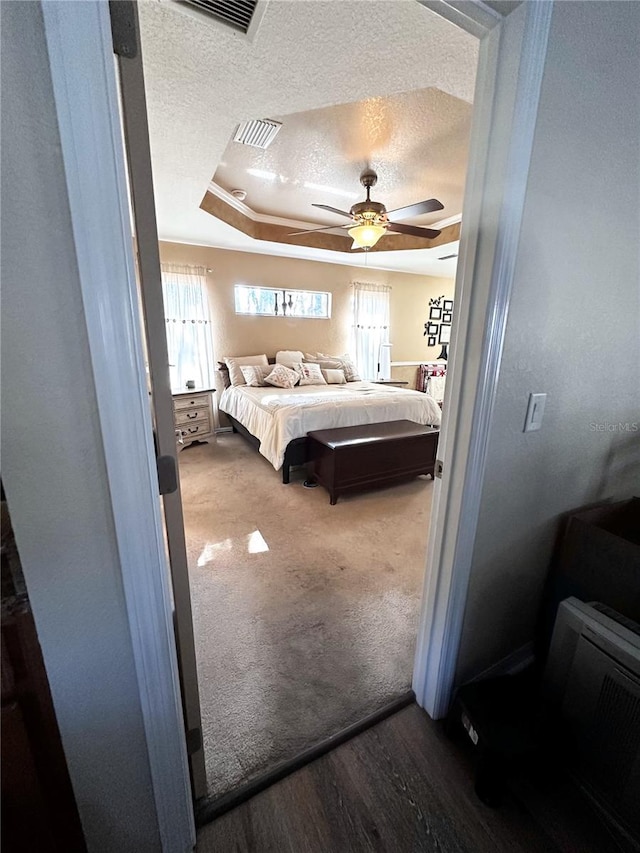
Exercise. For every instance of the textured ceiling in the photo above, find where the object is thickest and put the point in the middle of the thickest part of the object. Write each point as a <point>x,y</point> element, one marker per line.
<point>416,141</point>
<point>203,79</point>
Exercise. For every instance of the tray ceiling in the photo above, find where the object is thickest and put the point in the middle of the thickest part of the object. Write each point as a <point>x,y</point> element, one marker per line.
<point>416,141</point>
<point>354,82</point>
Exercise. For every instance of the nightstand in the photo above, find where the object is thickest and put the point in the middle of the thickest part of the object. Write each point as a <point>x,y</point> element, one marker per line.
<point>193,415</point>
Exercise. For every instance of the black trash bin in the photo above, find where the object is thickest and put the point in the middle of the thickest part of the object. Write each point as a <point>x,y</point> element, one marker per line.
<point>501,719</point>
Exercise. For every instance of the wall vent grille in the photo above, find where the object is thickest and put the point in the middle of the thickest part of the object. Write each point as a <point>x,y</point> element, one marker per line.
<point>615,733</point>
<point>259,132</point>
<point>235,13</point>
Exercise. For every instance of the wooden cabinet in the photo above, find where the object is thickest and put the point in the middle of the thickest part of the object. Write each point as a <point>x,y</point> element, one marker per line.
<point>193,415</point>
<point>353,458</point>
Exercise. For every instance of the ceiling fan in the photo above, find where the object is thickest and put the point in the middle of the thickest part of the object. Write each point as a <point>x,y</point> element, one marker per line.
<point>370,220</point>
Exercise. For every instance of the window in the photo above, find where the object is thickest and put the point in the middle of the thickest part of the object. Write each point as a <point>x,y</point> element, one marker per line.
<point>370,327</point>
<point>188,326</point>
<point>271,302</point>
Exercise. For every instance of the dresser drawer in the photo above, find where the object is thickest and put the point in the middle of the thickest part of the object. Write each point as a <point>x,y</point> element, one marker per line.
<point>193,430</point>
<point>189,416</point>
<point>200,400</point>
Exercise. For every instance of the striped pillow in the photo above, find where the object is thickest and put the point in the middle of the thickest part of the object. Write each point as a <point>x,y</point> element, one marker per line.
<point>255,374</point>
<point>346,363</point>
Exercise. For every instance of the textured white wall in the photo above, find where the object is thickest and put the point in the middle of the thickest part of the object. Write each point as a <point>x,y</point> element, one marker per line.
<point>53,463</point>
<point>573,328</point>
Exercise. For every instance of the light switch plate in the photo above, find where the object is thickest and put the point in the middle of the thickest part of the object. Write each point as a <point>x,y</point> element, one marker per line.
<point>535,412</point>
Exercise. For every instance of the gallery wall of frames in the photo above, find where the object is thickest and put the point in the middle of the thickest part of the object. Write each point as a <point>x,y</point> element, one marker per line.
<point>437,329</point>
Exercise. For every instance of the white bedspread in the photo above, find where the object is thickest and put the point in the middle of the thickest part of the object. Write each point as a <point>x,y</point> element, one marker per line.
<point>278,416</point>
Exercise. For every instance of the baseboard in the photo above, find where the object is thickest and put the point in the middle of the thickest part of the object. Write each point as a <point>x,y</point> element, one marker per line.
<point>511,664</point>
<point>209,809</point>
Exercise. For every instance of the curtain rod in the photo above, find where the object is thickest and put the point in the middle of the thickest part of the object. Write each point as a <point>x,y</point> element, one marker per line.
<point>190,268</point>
<point>371,285</point>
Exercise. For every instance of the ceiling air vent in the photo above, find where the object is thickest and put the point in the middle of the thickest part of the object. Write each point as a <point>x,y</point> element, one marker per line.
<point>259,132</point>
<point>447,257</point>
<point>235,13</point>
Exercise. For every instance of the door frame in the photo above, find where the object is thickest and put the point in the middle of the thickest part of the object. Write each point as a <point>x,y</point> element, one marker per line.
<point>85,93</point>
<point>133,104</point>
<point>494,200</point>
<point>509,79</point>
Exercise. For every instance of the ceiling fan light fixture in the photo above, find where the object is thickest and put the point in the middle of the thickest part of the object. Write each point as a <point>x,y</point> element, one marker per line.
<point>367,235</point>
<point>370,219</point>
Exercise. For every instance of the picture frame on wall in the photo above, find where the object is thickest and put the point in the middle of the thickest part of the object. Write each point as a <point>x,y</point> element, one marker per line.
<point>435,312</point>
<point>432,329</point>
<point>446,317</point>
<point>447,305</point>
<point>431,341</point>
<point>445,334</point>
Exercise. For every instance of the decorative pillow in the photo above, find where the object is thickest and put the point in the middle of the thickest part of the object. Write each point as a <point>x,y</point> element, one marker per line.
<point>282,377</point>
<point>235,374</point>
<point>310,374</point>
<point>350,370</point>
<point>288,357</point>
<point>346,363</point>
<point>334,377</point>
<point>325,363</point>
<point>255,374</point>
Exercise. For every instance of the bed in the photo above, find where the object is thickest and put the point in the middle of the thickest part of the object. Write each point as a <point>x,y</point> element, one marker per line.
<point>277,421</point>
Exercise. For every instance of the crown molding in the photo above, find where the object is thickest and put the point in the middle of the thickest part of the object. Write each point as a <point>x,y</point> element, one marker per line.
<point>241,207</point>
<point>445,223</point>
<point>222,205</point>
<point>247,211</point>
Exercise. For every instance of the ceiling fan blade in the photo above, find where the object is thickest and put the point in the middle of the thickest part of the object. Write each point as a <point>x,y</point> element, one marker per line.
<point>417,209</point>
<point>332,209</point>
<point>314,230</point>
<point>429,233</point>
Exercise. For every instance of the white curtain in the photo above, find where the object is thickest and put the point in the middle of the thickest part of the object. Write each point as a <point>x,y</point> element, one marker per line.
<point>188,325</point>
<point>370,325</point>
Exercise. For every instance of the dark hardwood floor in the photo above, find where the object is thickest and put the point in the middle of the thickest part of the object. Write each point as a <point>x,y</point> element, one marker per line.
<point>404,786</point>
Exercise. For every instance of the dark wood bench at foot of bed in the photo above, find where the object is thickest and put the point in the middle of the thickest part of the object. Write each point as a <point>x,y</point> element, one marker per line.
<point>354,458</point>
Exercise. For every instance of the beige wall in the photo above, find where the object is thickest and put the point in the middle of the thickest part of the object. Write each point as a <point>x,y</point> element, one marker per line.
<point>409,313</point>
<point>241,335</point>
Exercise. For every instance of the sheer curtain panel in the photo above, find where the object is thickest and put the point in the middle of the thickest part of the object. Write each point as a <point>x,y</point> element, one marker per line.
<point>370,325</point>
<point>188,325</point>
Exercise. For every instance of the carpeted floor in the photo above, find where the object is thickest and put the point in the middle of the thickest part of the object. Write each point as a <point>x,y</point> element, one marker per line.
<point>305,615</point>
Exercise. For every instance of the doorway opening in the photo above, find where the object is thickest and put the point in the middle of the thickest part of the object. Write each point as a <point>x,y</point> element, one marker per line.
<point>305,614</point>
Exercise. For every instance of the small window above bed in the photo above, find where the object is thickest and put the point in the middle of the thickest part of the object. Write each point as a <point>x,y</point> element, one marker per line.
<point>271,302</point>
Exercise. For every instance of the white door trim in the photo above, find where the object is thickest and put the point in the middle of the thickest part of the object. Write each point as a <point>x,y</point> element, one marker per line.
<point>83,76</point>
<point>505,114</point>
<point>138,154</point>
